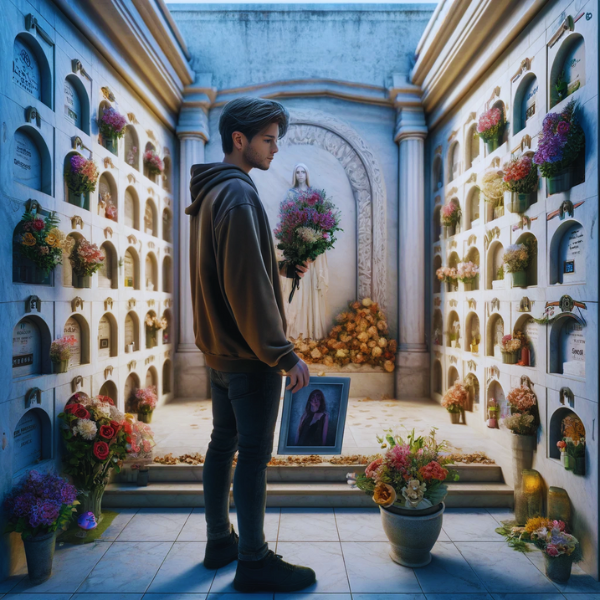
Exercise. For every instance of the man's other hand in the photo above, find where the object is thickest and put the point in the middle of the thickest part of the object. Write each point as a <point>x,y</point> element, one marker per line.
<point>299,376</point>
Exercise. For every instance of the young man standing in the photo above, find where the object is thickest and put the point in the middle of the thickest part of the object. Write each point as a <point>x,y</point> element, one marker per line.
<point>240,326</point>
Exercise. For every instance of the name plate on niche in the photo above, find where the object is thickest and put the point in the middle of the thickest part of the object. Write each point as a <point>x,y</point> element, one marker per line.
<point>573,350</point>
<point>26,161</point>
<point>28,442</point>
<point>26,70</point>
<point>26,348</point>
<point>72,104</point>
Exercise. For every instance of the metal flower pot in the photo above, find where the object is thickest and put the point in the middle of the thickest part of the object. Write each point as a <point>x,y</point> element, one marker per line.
<point>509,358</point>
<point>519,203</point>
<point>454,417</point>
<point>60,366</point>
<point>561,182</point>
<point>492,144</point>
<point>519,279</point>
<point>579,468</point>
<point>39,552</point>
<point>145,417</point>
<point>558,568</point>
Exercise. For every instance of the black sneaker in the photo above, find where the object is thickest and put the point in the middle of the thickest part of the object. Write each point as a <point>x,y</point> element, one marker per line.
<point>272,574</point>
<point>220,553</point>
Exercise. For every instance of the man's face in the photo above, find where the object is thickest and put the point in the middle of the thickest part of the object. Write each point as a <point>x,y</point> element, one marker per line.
<point>260,151</point>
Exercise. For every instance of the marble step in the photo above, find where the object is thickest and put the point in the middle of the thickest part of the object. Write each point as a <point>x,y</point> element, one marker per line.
<point>313,473</point>
<point>187,494</point>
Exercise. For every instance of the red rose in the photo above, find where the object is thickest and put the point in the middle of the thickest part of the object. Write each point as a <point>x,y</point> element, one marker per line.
<point>38,224</point>
<point>106,399</point>
<point>116,426</point>
<point>107,432</point>
<point>81,412</point>
<point>72,407</point>
<point>101,450</point>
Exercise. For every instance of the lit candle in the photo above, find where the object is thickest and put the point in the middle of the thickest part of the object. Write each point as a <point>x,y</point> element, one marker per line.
<point>532,490</point>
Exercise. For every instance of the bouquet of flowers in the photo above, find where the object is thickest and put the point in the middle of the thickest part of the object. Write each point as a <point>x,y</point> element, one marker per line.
<point>306,229</point>
<point>561,141</point>
<point>141,441</point>
<point>510,344</point>
<point>492,187</point>
<point>146,399</point>
<point>41,504</point>
<point>155,323</point>
<point>60,349</point>
<point>411,474</point>
<point>450,214</point>
<point>520,175</point>
<point>516,257</point>
<point>41,241</point>
<point>467,271</point>
<point>112,124</point>
<point>81,174</point>
<point>153,162</point>
<point>552,539</point>
<point>572,428</point>
<point>447,274</point>
<point>131,156</point>
<point>110,212</point>
<point>521,399</point>
<point>86,258</point>
<point>456,398</point>
<point>521,424</point>
<point>490,125</point>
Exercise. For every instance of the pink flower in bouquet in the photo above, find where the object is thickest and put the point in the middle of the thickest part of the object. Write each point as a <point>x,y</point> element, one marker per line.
<point>399,456</point>
<point>489,119</point>
<point>433,470</point>
<point>371,468</point>
<point>551,550</point>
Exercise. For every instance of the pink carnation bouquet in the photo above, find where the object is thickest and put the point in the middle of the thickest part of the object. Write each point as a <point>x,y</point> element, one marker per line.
<point>146,399</point>
<point>510,344</point>
<point>153,162</point>
<point>86,258</point>
<point>456,398</point>
<point>447,274</point>
<point>520,175</point>
<point>490,124</point>
<point>60,349</point>
<point>467,271</point>
<point>450,214</point>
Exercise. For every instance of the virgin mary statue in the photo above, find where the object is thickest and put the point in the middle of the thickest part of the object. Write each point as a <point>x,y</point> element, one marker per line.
<point>306,314</point>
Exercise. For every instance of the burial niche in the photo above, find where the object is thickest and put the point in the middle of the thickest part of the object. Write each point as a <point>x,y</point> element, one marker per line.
<point>525,102</point>
<point>437,264</point>
<point>151,331</point>
<point>167,271</point>
<point>494,335</point>
<point>452,376</point>
<point>132,384</point>
<point>108,197</point>
<point>568,254</point>
<point>151,273</point>
<point>528,330</point>
<point>149,148</point>
<point>495,266</point>
<point>453,333</point>
<point>495,392</point>
<point>568,70</point>
<point>166,332</point>
<point>151,377</point>
<point>453,260</point>
<point>82,200</point>
<point>473,256</point>
<point>132,208</point>
<point>530,241</point>
<point>24,269</point>
<point>108,273</point>
<point>438,328</point>
<point>472,145</point>
<point>132,332</point>
<point>167,225</point>
<point>69,277</point>
<point>438,173</point>
<point>166,176</point>
<point>564,423</point>
<point>500,105</point>
<point>107,336</point>
<point>31,70</point>
<point>109,388</point>
<point>131,268</point>
<point>437,377</point>
<point>132,147</point>
<point>30,347</point>
<point>472,333</point>
<point>31,160</point>
<point>473,202</point>
<point>567,346</point>
<point>454,162</point>
<point>455,227</point>
<point>31,440</point>
<point>166,377</point>
<point>77,327</point>
<point>150,218</point>
<point>472,386</point>
<point>77,103</point>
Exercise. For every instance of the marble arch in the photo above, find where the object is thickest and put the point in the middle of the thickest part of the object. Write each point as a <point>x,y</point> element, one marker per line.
<point>364,173</point>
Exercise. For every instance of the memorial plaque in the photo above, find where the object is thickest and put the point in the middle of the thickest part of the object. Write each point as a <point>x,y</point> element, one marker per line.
<point>26,69</point>
<point>27,163</point>
<point>572,255</point>
<point>574,67</point>
<point>73,328</point>
<point>455,161</point>
<point>129,330</point>
<point>131,149</point>
<point>105,271</point>
<point>104,189</point>
<point>573,347</point>
<point>104,338</point>
<point>27,442</point>
<point>149,378</point>
<point>529,100</point>
<point>474,206</point>
<point>166,226</point>
<point>149,267</point>
<point>129,209</point>
<point>531,331</point>
<point>72,104</point>
<point>26,353</point>
<point>129,269</point>
<point>148,219</point>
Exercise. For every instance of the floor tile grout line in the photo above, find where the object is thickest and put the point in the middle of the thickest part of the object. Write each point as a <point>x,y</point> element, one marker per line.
<point>544,574</point>
<point>345,567</point>
<point>95,565</point>
<point>472,569</point>
<point>159,568</point>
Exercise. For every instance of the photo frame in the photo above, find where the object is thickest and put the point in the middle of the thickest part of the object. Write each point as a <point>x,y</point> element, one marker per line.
<point>103,342</point>
<point>325,435</point>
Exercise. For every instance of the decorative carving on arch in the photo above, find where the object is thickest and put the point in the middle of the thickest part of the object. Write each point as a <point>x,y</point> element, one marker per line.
<point>316,128</point>
<point>472,240</point>
<point>108,303</point>
<point>76,221</point>
<point>472,365</point>
<point>472,178</point>
<point>149,359</point>
<point>76,383</point>
<point>108,371</point>
<point>453,360</point>
<point>131,365</point>
<point>453,303</point>
<point>108,231</point>
<point>76,303</point>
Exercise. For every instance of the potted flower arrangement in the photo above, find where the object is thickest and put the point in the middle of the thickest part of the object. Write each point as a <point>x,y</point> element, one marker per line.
<point>498,283</point>
<point>112,127</point>
<point>153,324</point>
<point>146,400</point>
<point>561,142</point>
<point>86,259</point>
<point>408,484</point>
<point>516,260</point>
<point>81,176</point>
<point>60,353</point>
<point>153,163</point>
<point>454,401</point>
<point>491,127</point>
<point>131,157</point>
<point>139,449</point>
<point>492,188</point>
<point>448,275</point>
<point>110,212</point>
<point>467,273</point>
<point>37,508</point>
<point>560,548</point>
<point>453,337</point>
<point>509,347</point>
<point>573,449</point>
<point>493,412</point>
<point>520,181</point>
<point>450,217</point>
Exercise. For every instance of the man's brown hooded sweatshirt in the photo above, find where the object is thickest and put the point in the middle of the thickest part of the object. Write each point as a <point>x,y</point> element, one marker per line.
<point>239,319</point>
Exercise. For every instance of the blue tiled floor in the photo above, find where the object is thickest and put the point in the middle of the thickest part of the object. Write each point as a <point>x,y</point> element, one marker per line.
<point>156,554</point>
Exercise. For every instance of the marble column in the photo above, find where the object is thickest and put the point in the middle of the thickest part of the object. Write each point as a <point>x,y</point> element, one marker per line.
<point>412,367</point>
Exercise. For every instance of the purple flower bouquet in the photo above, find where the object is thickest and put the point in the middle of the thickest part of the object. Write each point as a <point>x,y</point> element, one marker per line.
<point>112,124</point>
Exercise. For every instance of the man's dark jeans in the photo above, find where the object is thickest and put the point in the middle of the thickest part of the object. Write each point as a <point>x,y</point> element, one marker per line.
<point>245,408</point>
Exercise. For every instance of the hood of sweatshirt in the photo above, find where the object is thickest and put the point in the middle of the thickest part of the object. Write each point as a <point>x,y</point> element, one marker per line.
<point>206,176</point>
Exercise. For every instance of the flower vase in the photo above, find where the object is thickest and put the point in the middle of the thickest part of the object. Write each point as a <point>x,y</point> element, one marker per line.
<point>454,417</point>
<point>111,144</point>
<point>412,533</point>
<point>509,358</point>
<point>467,286</point>
<point>579,468</point>
<point>498,212</point>
<point>78,199</point>
<point>453,343</point>
<point>492,144</point>
<point>561,182</point>
<point>525,357</point>
<point>60,366</point>
<point>563,458</point>
<point>519,203</point>
<point>39,553</point>
<point>474,348</point>
<point>145,417</point>
<point>492,421</point>
<point>558,568</point>
<point>569,462</point>
<point>91,501</point>
<point>519,278</point>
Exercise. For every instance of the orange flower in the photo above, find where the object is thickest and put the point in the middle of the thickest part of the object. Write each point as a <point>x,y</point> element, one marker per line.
<point>28,239</point>
<point>384,494</point>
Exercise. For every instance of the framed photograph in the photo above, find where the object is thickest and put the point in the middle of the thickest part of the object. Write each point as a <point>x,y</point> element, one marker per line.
<point>103,342</point>
<point>313,419</point>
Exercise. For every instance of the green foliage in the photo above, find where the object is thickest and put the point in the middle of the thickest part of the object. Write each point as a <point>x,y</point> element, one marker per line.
<point>46,257</point>
<point>514,540</point>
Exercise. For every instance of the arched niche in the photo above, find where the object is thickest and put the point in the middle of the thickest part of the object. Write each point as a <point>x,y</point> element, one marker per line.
<point>31,69</point>
<point>132,332</point>
<point>568,254</point>
<point>151,377</point>
<point>453,261</point>
<point>151,273</point>
<point>108,273</point>
<point>132,384</point>
<point>132,208</point>
<point>31,162</point>
<point>474,257</point>
<point>473,390</point>
<point>472,330</point>
<point>524,105</point>
<point>108,197</point>
<point>167,377</point>
<point>568,69</point>
<point>108,338</point>
<point>556,428</point>
<point>150,218</point>
<point>530,330</point>
<point>166,332</point>
<point>32,441</point>
<point>454,162</point>
<point>495,254</point>
<point>500,104</point>
<point>109,388</point>
<point>452,376</point>
<point>453,329</point>
<point>77,103</point>
<point>167,225</point>
<point>166,176</point>
<point>494,335</point>
<point>78,327</point>
<point>436,377</point>
<point>149,147</point>
<point>472,148</point>
<point>151,334</point>
<point>167,273</point>
<point>473,207</point>
<point>454,229</point>
<point>24,269</point>
<point>532,268</point>
<point>81,200</point>
<point>567,346</point>
<point>30,347</point>
<point>71,279</point>
<point>437,264</point>
<point>131,268</point>
<point>112,145</point>
<point>438,327</point>
<point>132,147</point>
<point>495,392</point>
<point>438,173</point>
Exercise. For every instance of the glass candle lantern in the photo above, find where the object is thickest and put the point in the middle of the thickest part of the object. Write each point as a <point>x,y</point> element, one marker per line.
<point>559,505</point>
<point>533,487</point>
